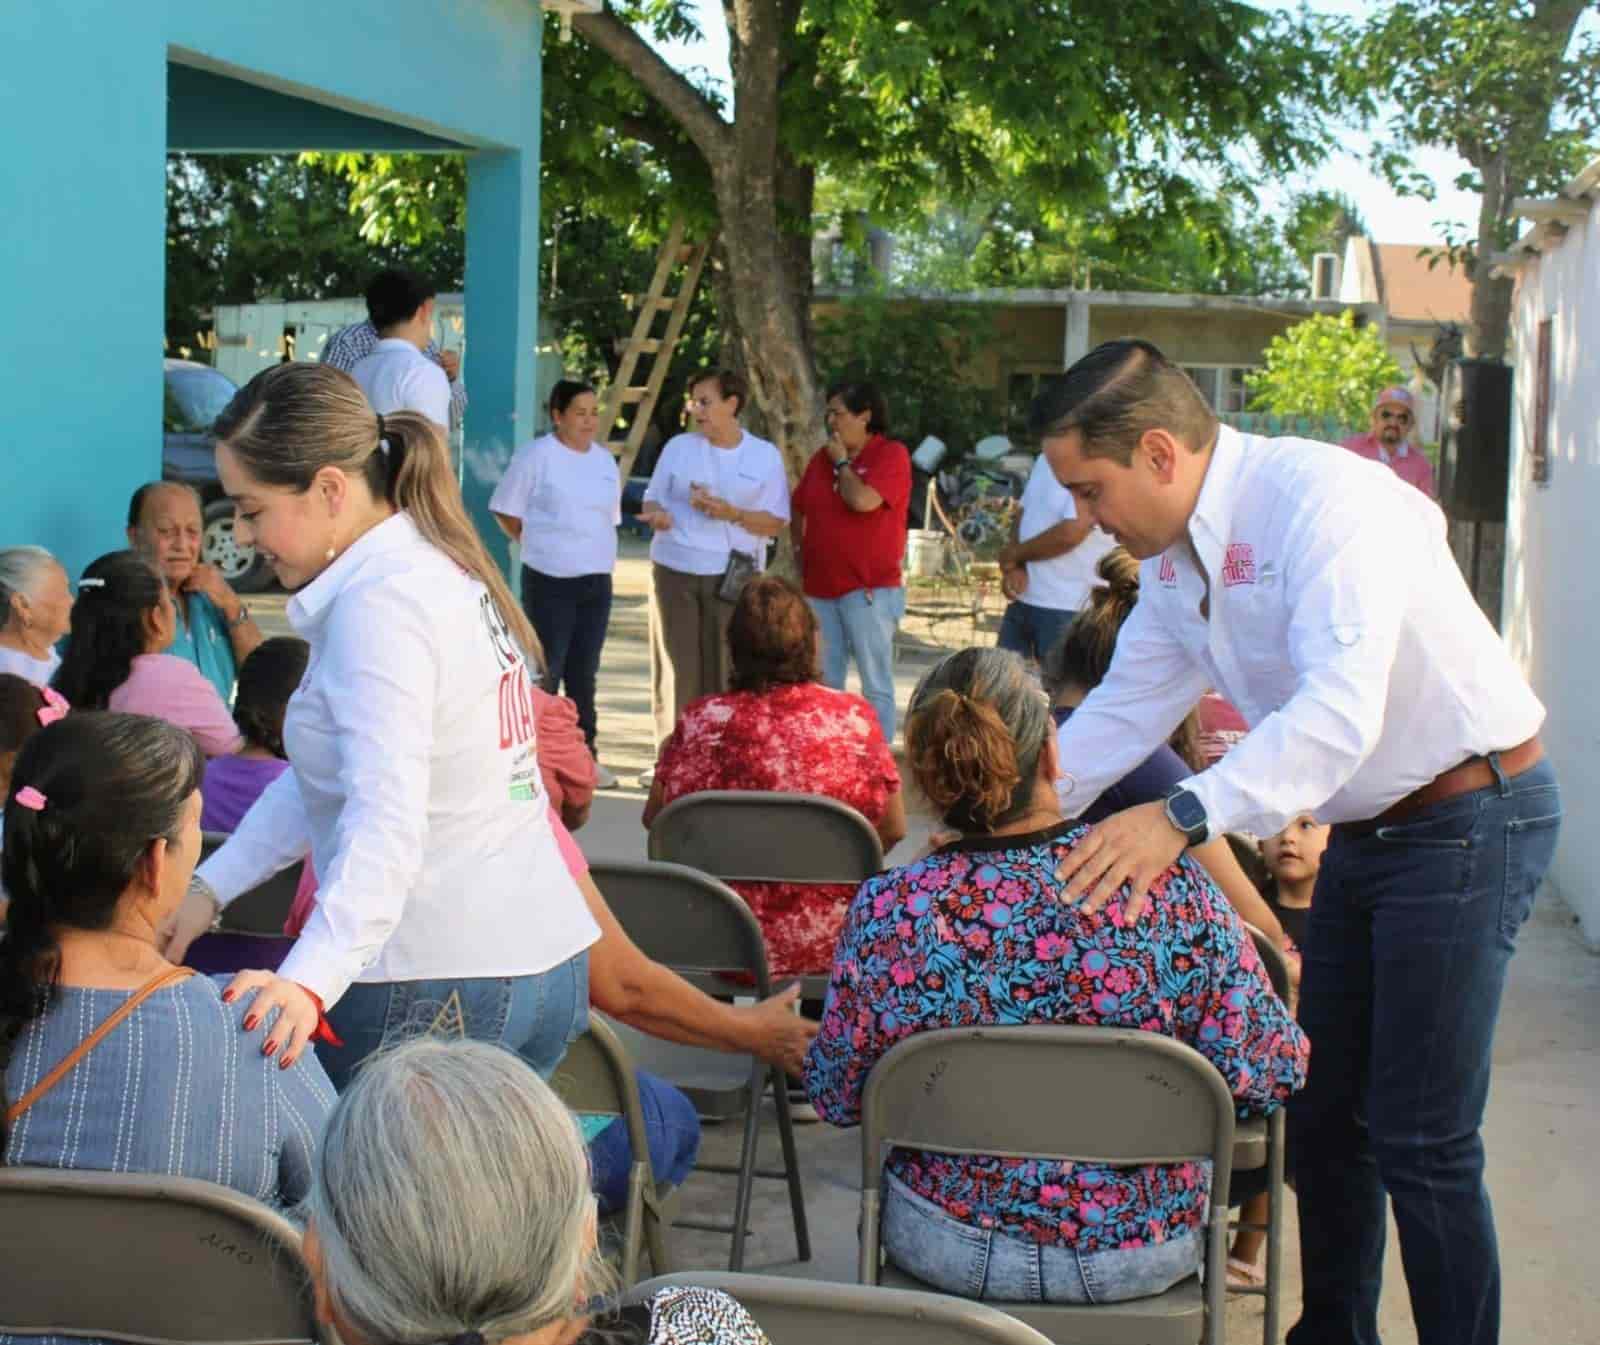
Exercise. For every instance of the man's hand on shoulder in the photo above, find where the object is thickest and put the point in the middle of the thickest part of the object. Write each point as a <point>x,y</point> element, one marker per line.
<point>1135,846</point>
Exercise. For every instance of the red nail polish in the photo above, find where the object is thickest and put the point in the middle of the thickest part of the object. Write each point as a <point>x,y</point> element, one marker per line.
<point>227,997</point>
<point>269,1048</point>
<point>285,1063</point>
<point>250,1023</point>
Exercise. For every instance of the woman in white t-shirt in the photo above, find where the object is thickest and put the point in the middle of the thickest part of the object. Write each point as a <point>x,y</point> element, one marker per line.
<point>718,493</point>
<point>35,612</point>
<point>561,498</point>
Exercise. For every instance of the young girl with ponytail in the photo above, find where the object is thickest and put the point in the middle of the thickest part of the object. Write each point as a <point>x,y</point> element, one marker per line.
<point>976,933</point>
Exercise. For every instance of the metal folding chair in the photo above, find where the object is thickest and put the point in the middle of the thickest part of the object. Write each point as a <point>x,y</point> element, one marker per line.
<point>1109,1095</point>
<point>747,836</point>
<point>158,1260</point>
<point>1259,1143</point>
<point>694,924</point>
<point>596,1077</point>
<point>806,1312</point>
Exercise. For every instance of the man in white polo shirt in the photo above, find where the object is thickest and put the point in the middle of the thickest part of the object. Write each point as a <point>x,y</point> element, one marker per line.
<point>397,376</point>
<point>1316,591</point>
<point>1049,567</point>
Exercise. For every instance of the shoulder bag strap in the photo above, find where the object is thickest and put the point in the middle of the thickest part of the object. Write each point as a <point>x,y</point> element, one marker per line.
<point>50,1080</point>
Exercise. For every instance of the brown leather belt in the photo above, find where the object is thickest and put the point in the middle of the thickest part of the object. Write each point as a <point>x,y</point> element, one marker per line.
<point>1472,774</point>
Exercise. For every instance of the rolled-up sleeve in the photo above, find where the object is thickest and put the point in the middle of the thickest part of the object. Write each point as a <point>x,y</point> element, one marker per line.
<point>1152,684</point>
<point>1347,588</point>
<point>382,715</point>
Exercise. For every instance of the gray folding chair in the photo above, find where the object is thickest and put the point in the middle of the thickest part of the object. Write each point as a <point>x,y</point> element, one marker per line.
<point>808,1312</point>
<point>157,1260</point>
<point>747,836</point>
<point>263,909</point>
<point>1258,1143</point>
<point>596,1077</point>
<point>692,923</point>
<point>1109,1095</point>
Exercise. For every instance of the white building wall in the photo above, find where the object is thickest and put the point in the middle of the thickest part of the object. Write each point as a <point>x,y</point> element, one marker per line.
<point>1552,575</point>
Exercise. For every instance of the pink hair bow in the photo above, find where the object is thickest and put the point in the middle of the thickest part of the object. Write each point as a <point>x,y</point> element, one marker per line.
<point>55,706</point>
<point>29,797</point>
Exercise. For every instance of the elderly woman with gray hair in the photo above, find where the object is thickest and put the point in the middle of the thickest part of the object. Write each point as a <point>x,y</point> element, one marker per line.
<point>451,1206</point>
<point>35,612</point>
<point>976,934</point>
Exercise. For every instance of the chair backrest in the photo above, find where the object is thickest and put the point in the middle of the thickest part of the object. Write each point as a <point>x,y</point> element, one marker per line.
<point>596,1077</point>
<point>1110,1095</point>
<point>685,919</point>
<point>263,909</point>
<point>752,836</point>
<point>155,1260</point>
<point>1276,963</point>
<point>804,1312</point>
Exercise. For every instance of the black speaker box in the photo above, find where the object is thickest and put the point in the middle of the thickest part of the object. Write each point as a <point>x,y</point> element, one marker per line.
<point>1475,452</point>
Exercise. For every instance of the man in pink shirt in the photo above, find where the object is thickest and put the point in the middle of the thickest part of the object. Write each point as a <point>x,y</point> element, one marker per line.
<point>1393,416</point>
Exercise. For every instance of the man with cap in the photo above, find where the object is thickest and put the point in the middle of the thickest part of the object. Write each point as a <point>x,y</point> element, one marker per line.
<point>1318,594</point>
<point>1394,415</point>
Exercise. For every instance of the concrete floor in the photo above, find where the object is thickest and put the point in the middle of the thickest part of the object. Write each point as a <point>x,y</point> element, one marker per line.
<point>1543,1126</point>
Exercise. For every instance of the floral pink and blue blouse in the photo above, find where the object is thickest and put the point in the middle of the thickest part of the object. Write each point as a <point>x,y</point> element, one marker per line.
<point>977,934</point>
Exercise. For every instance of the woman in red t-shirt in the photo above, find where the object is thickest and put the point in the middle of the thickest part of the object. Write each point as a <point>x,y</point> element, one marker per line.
<point>779,731</point>
<point>848,517</point>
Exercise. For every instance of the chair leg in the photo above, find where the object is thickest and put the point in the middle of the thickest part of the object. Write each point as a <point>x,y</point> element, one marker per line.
<point>791,1162</point>
<point>633,1225</point>
<point>1275,1202</point>
<point>655,1239</point>
<point>747,1170</point>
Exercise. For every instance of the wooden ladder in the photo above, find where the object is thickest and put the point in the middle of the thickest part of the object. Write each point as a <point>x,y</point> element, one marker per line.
<point>622,390</point>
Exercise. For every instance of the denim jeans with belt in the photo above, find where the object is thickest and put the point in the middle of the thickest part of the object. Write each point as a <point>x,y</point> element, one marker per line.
<point>1412,927</point>
<point>861,624</point>
<point>959,1258</point>
<point>538,1017</point>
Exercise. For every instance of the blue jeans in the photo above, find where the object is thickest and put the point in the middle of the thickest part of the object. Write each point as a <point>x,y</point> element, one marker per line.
<point>1411,930</point>
<point>570,617</point>
<point>538,1017</point>
<point>1032,631</point>
<point>861,625</point>
<point>973,1262</point>
<point>672,1129</point>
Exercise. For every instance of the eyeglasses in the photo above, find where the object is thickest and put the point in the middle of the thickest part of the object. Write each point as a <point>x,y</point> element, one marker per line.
<point>1399,417</point>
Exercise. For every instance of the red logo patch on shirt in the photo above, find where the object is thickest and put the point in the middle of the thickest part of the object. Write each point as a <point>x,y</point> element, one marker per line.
<point>1238,564</point>
<point>1167,572</point>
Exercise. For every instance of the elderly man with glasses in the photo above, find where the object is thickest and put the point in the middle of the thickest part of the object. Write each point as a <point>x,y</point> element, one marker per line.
<point>1388,441</point>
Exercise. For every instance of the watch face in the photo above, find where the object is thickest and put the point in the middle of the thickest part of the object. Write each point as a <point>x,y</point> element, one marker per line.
<point>1187,810</point>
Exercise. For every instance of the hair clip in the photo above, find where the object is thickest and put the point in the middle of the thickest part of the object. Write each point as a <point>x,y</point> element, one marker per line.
<point>91,583</point>
<point>29,797</point>
<point>383,447</point>
<point>55,706</point>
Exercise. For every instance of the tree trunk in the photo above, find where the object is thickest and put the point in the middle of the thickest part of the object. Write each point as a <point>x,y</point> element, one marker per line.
<point>1489,318</point>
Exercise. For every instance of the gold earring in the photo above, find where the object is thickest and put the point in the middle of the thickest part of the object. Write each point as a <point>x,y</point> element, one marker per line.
<point>328,554</point>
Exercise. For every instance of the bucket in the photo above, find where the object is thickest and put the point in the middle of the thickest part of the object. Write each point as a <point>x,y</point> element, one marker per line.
<point>924,553</point>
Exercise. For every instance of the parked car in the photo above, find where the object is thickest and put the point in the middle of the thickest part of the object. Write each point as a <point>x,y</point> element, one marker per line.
<point>193,396</point>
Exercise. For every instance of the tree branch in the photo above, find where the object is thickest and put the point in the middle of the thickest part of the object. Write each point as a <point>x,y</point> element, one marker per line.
<point>678,98</point>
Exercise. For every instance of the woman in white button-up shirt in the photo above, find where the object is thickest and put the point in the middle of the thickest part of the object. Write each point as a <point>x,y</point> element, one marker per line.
<point>415,782</point>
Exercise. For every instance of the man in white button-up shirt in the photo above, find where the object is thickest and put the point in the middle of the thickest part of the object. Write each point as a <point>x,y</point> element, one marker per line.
<point>397,375</point>
<point>1316,592</point>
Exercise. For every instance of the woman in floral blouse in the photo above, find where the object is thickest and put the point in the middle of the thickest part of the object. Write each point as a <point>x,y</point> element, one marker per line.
<point>976,934</point>
<point>780,730</point>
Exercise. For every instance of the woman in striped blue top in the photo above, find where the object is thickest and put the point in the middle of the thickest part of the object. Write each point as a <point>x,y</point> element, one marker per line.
<point>102,831</point>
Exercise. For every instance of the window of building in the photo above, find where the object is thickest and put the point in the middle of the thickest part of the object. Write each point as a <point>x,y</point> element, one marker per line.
<point>1221,384</point>
<point>1539,460</point>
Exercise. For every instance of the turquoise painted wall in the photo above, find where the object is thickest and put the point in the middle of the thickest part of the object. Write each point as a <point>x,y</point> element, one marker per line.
<point>86,106</point>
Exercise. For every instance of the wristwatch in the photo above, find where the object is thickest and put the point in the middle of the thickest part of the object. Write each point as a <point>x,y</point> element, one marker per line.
<point>840,466</point>
<point>239,617</point>
<point>1188,815</point>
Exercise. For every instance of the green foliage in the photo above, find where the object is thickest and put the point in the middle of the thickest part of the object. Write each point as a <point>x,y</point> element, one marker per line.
<point>1324,366</point>
<point>1503,83</point>
<point>917,353</point>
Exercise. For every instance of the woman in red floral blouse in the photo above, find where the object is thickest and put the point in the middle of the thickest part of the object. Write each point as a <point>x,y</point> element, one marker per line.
<point>780,730</point>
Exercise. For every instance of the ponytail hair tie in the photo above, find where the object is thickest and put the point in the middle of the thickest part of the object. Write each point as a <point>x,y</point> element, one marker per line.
<point>30,798</point>
<point>466,1338</point>
<point>55,706</point>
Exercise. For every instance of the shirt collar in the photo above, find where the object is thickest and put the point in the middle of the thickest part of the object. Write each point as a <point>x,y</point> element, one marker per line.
<point>1211,524</point>
<point>306,609</point>
<point>396,343</point>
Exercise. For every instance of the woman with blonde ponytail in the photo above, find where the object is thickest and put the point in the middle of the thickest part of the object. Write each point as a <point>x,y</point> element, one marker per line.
<point>413,777</point>
<point>976,933</point>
